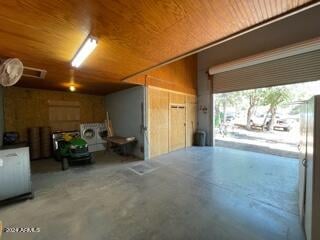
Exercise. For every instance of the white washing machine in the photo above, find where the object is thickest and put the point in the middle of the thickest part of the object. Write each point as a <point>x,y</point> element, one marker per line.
<point>101,132</point>
<point>92,133</point>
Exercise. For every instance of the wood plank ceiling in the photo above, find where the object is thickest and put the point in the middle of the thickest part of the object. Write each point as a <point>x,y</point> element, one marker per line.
<point>134,35</point>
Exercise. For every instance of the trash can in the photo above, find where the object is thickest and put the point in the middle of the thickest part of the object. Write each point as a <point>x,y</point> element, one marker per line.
<point>200,138</point>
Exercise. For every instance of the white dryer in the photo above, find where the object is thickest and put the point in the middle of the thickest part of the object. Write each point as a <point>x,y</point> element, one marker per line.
<point>88,133</point>
<point>91,133</point>
<point>101,132</point>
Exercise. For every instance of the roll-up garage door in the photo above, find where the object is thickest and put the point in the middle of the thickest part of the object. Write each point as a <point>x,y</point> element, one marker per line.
<point>293,69</point>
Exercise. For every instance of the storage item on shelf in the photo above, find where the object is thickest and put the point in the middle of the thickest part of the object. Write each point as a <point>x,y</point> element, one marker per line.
<point>10,138</point>
<point>34,143</point>
<point>45,142</point>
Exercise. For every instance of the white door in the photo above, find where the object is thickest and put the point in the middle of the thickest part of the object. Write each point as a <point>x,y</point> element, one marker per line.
<point>177,127</point>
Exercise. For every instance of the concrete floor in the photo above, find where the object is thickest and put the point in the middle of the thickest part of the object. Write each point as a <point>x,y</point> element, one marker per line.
<point>277,142</point>
<point>197,193</point>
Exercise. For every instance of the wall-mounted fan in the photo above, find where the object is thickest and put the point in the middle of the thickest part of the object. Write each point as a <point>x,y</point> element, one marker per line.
<point>11,71</point>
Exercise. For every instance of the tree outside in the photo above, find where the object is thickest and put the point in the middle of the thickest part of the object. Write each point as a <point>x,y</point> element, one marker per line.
<point>273,98</point>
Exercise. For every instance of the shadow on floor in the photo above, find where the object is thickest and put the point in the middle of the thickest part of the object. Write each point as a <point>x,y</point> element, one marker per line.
<point>101,158</point>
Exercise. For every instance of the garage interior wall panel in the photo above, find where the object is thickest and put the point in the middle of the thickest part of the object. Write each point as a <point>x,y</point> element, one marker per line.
<point>126,112</point>
<point>191,119</point>
<point>176,98</point>
<point>158,102</point>
<point>172,120</point>
<point>168,84</point>
<point>25,108</point>
<point>294,69</point>
<point>180,76</point>
<point>64,115</point>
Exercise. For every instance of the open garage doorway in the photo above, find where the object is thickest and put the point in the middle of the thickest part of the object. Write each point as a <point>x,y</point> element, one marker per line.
<point>265,120</point>
<point>270,125</point>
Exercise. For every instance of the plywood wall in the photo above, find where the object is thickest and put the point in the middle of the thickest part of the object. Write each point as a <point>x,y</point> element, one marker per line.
<point>158,115</point>
<point>172,120</point>
<point>191,119</point>
<point>24,108</point>
<point>178,76</point>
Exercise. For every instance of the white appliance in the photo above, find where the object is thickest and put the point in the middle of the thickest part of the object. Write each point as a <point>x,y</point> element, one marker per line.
<point>101,132</point>
<point>93,134</point>
<point>15,175</point>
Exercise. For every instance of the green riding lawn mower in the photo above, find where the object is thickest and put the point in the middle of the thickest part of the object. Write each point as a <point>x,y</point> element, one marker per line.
<point>72,149</point>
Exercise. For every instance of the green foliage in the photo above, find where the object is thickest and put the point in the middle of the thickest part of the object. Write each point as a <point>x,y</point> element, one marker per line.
<point>253,97</point>
<point>222,101</point>
<point>228,99</point>
<point>275,96</point>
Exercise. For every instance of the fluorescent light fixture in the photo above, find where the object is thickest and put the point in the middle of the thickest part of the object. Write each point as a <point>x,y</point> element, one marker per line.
<point>87,47</point>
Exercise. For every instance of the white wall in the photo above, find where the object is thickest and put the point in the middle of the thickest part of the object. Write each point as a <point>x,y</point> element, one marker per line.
<point>204,97</point>
<point>125,111</point>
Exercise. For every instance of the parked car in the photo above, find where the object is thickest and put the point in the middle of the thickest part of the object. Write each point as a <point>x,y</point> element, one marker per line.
<point>230,118</point>
<point>284,124</point>
<point>257,121</point>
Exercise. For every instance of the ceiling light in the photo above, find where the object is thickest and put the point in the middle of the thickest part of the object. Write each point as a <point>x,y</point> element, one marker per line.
<point>72,88</point>
<point>87,47</point>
